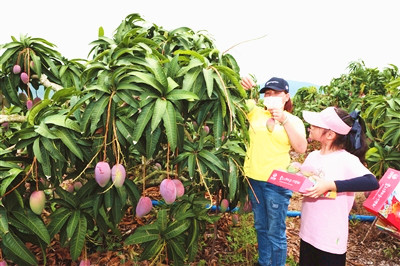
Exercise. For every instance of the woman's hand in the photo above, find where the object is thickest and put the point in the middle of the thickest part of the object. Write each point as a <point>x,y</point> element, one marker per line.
<point>247,83</point>
<point>278,114</point>
<point>321,186</point>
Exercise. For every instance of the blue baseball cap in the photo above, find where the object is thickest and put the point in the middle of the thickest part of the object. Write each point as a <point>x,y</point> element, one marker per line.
<point>276,84</point>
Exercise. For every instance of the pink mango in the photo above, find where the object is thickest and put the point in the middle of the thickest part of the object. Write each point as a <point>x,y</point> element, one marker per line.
<point>84,262</point>
<point>77,186</point>
<point>206,129</point>
<point>168,190</point>
<point>24,77</point>
<point>16,69</point>
<point>180,189</point>
<point>235,219</point>
<point>37,201</point>
<point>29,104</point>
<point>118,175</point>
<point>143,207</point>
<point>102,173</point>
<point>36,100</point>
<point>224,205</point>
<point>247,207</point>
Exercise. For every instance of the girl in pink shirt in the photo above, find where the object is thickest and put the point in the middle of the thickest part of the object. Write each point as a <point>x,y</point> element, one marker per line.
<point>339,165</point>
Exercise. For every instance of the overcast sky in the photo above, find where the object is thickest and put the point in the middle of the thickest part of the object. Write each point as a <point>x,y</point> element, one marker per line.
<point>311,41</point>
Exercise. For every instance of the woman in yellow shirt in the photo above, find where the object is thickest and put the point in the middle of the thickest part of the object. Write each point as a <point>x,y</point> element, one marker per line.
<point>268,150</point>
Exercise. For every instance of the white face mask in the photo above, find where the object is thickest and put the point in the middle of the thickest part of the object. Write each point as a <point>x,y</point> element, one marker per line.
<point>273,102</point>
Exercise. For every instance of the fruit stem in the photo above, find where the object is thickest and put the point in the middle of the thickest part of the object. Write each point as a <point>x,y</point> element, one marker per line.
<point>107,122</point>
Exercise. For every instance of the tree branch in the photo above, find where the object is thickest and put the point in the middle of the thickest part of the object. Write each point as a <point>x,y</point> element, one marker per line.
<point>47,83</point>
<point>12,118</point>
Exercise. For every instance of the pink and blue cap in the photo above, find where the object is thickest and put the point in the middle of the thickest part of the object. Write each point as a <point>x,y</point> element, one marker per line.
<point>327,119</point>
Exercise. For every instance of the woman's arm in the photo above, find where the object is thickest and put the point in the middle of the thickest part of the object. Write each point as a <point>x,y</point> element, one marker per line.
<point>366,182</point>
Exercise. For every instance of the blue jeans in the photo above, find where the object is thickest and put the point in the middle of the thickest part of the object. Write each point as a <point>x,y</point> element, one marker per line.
<point>270,221</point>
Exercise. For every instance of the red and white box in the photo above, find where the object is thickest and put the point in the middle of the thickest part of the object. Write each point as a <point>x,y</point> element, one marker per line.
<point>298,183</point>
<point>385,201</point>
<point>295,182</point>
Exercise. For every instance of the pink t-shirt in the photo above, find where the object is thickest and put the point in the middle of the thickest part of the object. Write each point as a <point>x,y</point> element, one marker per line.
<point>324,221</point>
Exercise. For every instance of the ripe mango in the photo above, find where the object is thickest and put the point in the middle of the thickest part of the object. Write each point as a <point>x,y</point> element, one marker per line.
<point>77,186</point>
<point>102,173</point>
<point>206,130</point>
<point>270,124</point>
<point>16,69</point>
<point>3,263</point>
<point>247,207</point>
<point>235,219</point>
<point>224,205</point>
<point>84,262</point>
<point>168,190</point>
<point>37,201</point>
<point>180,189</point>
<point>24,77</point>
<point>118,175</point>
<point>29,104</point>
<point>143,207</point>
<point>36,100</point>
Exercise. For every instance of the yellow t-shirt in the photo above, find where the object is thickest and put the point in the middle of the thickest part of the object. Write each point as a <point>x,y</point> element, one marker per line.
<point>267,150</point>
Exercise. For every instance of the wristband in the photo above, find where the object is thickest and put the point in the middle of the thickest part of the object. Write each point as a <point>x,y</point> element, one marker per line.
<point>285,121</point>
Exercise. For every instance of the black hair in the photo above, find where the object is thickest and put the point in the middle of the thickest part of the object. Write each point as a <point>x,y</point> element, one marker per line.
<point>345,142</point>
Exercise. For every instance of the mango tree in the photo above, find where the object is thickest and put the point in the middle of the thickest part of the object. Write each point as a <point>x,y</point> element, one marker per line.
<point>147,97</point>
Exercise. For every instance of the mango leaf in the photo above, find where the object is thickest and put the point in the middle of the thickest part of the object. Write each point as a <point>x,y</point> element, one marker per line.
<point>152,249</point>
<point>12,174</point>
<point>142,121</point>
<point>78,239</point>
<point>146,234</point>
<point>176,95</point>
<point>233,179</point>
<point>170,125</point>
<point>34,224</point>
<point>69,141</point>
<point>72,223</point>
<point>33,113</point>
<point>16,246</point>
<point>176,228</point>
<point>3,221</point>
<point>63,121</point>
<point>209,79</point>
<point>42,156</point>
<point>159,110</point>
<point>57,220</point>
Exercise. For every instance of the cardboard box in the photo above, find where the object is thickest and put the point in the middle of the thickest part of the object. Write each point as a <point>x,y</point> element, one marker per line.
<point>388,228</point>
<point>294,182</point>
<point>385,201</point>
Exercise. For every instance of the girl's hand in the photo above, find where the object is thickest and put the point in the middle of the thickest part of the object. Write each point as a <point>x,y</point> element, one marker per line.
<point>321,186</point>
<point>247,83</point>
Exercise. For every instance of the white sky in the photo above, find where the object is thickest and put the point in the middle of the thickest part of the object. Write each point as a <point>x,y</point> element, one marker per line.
<point>311,40</point>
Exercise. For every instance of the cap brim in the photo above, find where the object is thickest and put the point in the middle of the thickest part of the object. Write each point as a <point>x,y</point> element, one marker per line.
<point>314,118</point>
<point>270,88</point>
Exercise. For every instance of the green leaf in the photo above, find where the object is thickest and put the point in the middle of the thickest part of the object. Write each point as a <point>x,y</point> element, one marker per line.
<point>63,121</point>
<point>98,110</point>
<point>34,224</point>
<point>57,220</point>
<point>142,236</point>
<point>142,121</point>
<point>69,141</point>
<point>152,249</point>
<point>150,80</point>
<point>78,239</point>
<point>177,95</point>
<point>33,113</point>
<point>53,150</point>
<point>3,221</point>
<point>176,228</point>
<point>170,125</point>
<point>208,77</point>
<point>233,179</point>
<point>16,246</point>
<point>72,223</point>
<point>159,110</point>
<point>42,156</point>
